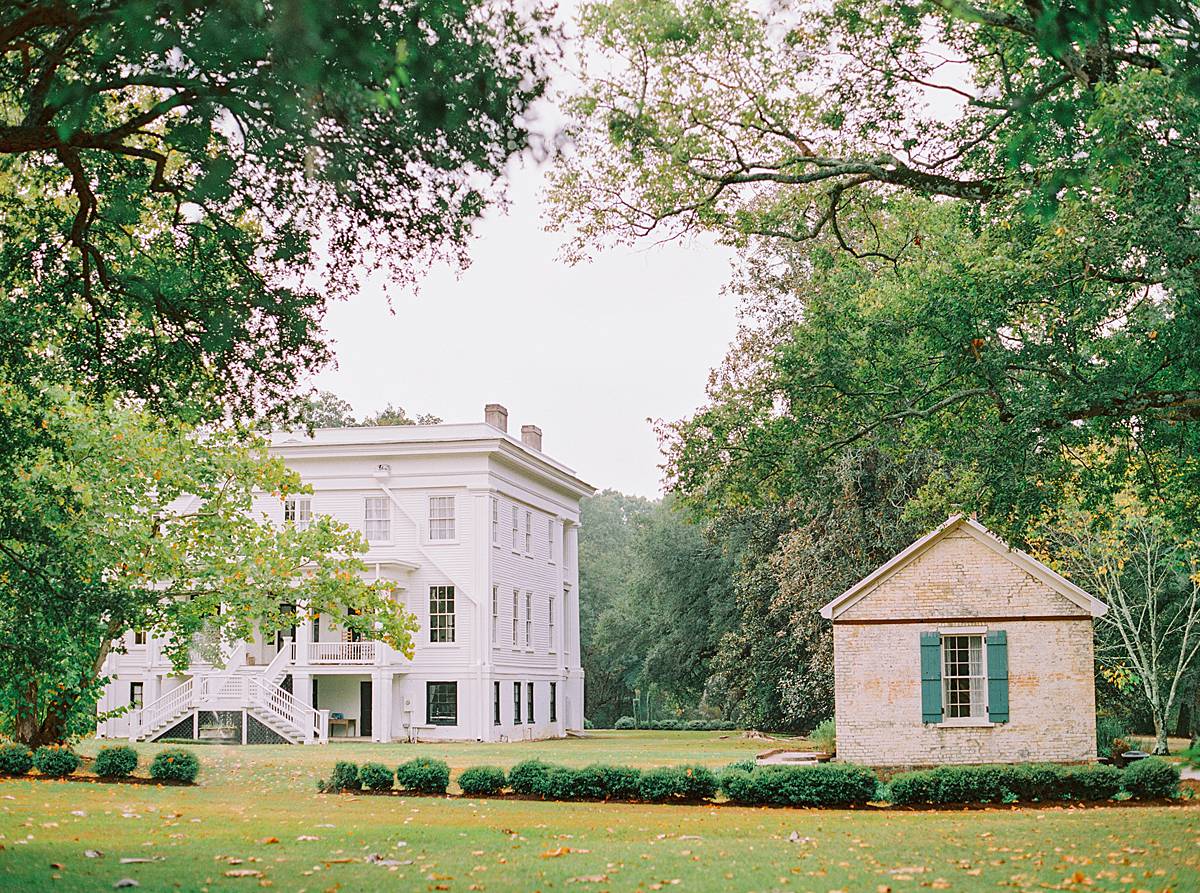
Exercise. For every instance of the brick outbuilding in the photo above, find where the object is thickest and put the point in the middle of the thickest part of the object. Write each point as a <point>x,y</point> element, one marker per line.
<point>962,649</point>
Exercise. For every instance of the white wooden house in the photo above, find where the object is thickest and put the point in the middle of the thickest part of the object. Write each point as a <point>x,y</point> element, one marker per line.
<point>478,532</point>
<point>962,649</point>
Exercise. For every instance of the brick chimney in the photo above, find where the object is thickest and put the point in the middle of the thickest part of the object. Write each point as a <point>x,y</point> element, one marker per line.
<point>496,416</point>
<point>531,436</point>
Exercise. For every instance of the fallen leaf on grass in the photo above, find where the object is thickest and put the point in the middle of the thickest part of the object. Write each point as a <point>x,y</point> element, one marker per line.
<point>135,860</point>
<point>125,882</point>
<point>269,840</point>
<point>588,879</point>
<point>93,854</point>
<point>307,837</point>
<point>243,872</point>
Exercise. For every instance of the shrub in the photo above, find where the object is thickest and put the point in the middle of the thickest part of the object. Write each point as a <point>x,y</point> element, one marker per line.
<point>619,782</point>
<point>55,760</point>
<point>344,778</point>
<point>824,736</point>
<point>423,775</point>
<point>588,725</point>
<point>175,764</point>
<point>625,722</point>
<point>561,783</point>
<point>1146,779</point>
<point>677,783</point>
<point>115,762</point>
<point>745,765</point>
<point>375,777</point>
<point>841,784</point>
<point>481,781</point>
<point>528,777</point>
<point>15,759</point>
<point>1094,782</point>
<point>985,784</point>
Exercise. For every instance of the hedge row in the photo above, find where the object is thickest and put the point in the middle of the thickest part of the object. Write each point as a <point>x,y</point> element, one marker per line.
<point>677,725</point>
<point>746,783</point>
<point>59,760</point>
<point>1143,780</point>
<point>422,776</point>
<point>827,784</point>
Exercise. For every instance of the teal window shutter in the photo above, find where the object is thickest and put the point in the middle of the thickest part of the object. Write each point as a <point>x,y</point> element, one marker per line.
<point>931,677</point>
<point>997,665</point>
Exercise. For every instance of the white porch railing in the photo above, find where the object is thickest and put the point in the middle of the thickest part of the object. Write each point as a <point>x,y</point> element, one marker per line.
<point>312,724</point>
<point>342,652</point>
<point>152,715</point>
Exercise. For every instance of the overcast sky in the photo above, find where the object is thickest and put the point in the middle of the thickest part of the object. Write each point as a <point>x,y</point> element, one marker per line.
<point>588,353</point>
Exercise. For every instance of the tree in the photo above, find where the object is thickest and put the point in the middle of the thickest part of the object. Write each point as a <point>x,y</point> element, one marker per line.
<point>395,415</point>
<point>775,664</point>
<point>1010,271</point>
<point>186,184</point>
<point>607,539</point>
<point>119,521</point>
<point>1150,637</point>
<point>326,410</point>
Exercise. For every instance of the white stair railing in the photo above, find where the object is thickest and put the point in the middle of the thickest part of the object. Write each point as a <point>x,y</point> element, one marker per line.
<point>154,714</point>
<point>278,667</point>
<point>308,723</point>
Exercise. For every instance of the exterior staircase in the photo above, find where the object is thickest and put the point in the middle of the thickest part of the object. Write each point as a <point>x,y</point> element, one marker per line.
<point>254,690</point>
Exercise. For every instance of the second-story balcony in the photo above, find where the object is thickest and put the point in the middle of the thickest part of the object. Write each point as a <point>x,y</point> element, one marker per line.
<point>342,652</point>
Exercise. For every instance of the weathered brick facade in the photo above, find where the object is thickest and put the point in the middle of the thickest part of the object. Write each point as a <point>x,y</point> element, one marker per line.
<point>961,581</point>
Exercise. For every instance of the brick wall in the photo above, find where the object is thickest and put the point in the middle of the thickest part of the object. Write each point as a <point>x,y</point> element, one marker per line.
<point>878,671</point>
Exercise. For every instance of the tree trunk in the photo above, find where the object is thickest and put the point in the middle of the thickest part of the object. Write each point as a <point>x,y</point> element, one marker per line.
<point>1160,734</point>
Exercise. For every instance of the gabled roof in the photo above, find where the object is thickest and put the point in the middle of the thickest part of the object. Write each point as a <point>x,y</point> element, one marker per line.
<point>1027,563</point>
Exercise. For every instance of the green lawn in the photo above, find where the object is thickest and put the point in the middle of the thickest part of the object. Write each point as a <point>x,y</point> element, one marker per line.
<point>251,795</point>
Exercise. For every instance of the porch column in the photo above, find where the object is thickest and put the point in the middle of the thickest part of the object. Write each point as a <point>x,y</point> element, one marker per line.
<point>382,690</point>
<point>377,708</point>
<point>302,688</point>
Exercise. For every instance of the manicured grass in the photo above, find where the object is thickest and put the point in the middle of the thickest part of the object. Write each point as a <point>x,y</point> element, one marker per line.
<point>249,796</point>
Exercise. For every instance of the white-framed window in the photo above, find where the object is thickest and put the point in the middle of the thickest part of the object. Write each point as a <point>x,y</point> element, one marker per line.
<point>441,613</point>
<point>135,694</point>
<point>528,619</point>
<point>550,537</point>
<point>377,514</point>
<point>297,511</point>
<point>529,533</point>
<point>441,517</point>
<point>964,677</point>
<point>495,521</point>
<point>515,616</point>
<point>515,530</point>
<point>139,637</point>
<point>550,621</point>
<point>495,614</point>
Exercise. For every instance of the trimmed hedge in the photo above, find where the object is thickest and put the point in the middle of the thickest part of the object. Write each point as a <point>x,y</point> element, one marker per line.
<point>839,784</point>
<point>528,777</point>
<point>620,782</point>
<point>15,759</point>
<point>176,764</point>
<point>562,783</point>
<point>677,783</point>
<point>482,781</point>
<point>424,776</point>
<point>375,777</point>
<point>1151,778</point>
<point>344,778</point>
<point>115,762</point>
<point>55,760</point>
<point>994,784</point>
<point>626,723</point>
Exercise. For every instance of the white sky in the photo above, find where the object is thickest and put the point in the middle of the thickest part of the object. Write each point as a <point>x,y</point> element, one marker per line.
<point>588,353</point>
